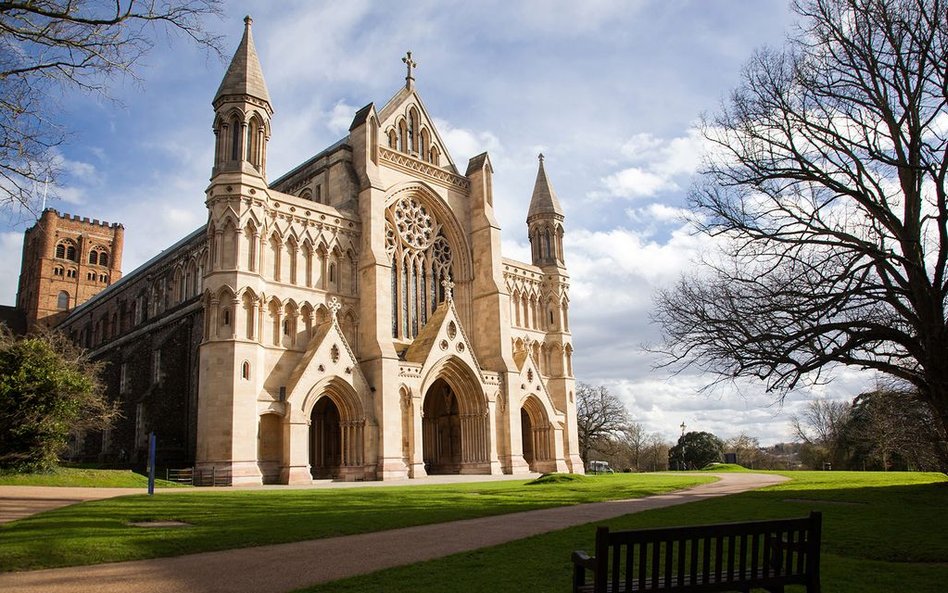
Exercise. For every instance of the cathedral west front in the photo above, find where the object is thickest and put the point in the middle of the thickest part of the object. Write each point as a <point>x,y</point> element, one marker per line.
<point>353,319</point>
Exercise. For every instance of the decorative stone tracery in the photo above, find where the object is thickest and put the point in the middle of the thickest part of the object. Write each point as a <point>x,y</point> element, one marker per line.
<point>421,259</point>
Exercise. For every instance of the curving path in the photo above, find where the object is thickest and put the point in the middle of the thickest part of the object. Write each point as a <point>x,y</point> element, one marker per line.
<point>287,567</point>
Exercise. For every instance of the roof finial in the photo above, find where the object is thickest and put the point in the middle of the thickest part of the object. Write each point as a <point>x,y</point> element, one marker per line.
<point>541,158</point>
<point>411,64</point>
<point>448,289</point>
<point>248,21</point>
<point>334,306</point>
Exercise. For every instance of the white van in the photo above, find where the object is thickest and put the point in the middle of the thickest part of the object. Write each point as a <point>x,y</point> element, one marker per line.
<point>599,467</point>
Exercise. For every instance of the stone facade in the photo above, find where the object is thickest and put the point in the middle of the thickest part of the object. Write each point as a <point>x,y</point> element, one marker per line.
<point>353,319</point>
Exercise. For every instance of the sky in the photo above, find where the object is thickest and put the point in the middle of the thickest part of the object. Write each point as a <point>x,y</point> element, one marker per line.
<point>611,93</point>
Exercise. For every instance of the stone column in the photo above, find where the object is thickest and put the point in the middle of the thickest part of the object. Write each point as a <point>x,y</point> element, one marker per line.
<point>296,468</point>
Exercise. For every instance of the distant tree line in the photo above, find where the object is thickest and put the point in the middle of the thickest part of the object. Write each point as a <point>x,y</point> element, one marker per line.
<point>884,429</point>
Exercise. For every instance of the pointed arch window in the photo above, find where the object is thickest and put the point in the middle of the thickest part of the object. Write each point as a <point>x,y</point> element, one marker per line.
<point>234,139</point>
<point>421,259</point>
<point>61,251</point>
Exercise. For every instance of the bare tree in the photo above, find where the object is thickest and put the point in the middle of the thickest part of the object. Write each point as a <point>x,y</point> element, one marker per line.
<point>52,47</point>
<point>826,186</point>
<point>655,453</point>
<point>600,418</point>
<point>747,450</point>
<point>631,442</point>
<point>821,427</point>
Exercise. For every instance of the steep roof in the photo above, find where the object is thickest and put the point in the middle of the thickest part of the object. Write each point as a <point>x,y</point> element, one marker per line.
<point>544,198</point>
<point>244,75</point>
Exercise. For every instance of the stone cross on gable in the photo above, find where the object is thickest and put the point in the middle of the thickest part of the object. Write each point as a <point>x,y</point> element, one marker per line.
<point>334,306</point>
<point>411,64</point>
<point>448,289</point>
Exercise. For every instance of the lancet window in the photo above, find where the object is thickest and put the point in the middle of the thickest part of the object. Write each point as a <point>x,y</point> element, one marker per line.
<point>421,259</point>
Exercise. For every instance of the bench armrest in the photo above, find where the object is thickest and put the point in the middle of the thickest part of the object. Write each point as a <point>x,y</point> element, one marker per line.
<point>581,558</point>
<point>581,562</point>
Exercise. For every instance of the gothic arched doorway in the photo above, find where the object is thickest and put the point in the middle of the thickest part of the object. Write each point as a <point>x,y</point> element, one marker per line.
<point>325,439</point>
<point>537,435</point>
<point>456,435</point>
<point>526,432</point>
<point>442,430</point>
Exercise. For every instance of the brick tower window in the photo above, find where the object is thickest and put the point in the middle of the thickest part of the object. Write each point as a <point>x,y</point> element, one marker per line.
<point>62,302</point>
<point>66,249</point>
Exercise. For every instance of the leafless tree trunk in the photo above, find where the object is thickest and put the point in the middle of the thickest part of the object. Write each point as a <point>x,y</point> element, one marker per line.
<point>52,47</point>
<point>826,186</point>
<point>600,418</point>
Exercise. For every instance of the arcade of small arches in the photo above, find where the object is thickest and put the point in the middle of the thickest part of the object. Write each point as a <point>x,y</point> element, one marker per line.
<point>546,242</point>
<point>550,358</point>
<point>241,137</point>
<point>269,320</point>
<point>529,310</point>
<point>68,249</point>
<point>409,135</point>
<point>290,260</point>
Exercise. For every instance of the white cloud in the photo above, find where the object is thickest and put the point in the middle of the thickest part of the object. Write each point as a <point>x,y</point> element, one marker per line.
<point>659,165</point>
<point>462,144</point>
<point>340,117</point>
<point>637,183</point>
<point>11,243</point>
<point>640,147</point>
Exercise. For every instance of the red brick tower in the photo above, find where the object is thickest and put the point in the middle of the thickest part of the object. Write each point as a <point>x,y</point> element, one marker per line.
<point>66,261</point>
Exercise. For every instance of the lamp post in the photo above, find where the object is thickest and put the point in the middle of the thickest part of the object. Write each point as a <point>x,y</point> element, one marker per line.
<point>681,464</point>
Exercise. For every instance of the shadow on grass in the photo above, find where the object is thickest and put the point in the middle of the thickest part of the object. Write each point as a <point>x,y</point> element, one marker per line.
<point>894,540</point>
<point>98,531</point>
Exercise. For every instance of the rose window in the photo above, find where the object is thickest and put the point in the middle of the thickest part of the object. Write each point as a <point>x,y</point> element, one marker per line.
<point>413,223</point>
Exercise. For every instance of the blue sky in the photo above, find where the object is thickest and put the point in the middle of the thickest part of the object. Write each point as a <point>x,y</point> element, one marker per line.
<point>609,91</point>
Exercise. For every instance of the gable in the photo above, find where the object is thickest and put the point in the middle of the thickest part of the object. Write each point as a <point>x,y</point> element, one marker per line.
<point>327,355</point>
<point>530,381</point>
<point>442,336</point>
<point>406,111</point>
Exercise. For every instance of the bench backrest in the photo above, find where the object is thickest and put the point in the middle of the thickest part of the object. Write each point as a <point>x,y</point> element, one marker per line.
<point>709,557</point>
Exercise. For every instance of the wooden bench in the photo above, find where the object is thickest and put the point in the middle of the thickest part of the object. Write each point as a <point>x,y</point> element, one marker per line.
<point>725,557</point>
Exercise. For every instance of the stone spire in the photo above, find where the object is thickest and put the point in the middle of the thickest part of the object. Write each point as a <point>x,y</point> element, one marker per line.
<point>244,76</point>
<point>544,198</point>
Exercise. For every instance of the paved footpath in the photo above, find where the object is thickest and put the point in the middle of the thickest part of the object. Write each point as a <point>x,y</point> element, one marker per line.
<point>287,567</point>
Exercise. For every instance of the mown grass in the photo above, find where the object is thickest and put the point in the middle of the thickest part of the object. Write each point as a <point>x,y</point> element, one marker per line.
<point>725,467</point>
<point>882,533</point>
<point>81,477</point>
<point>98,531</point>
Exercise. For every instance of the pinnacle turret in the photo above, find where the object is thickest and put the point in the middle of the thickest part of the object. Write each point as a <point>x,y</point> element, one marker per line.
<point>544,198</point>
<point>242,113</point>
<point>244,75</point>
<point>545,222</point>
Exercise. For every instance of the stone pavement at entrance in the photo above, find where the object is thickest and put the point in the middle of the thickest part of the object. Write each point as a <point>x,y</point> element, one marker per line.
<point>286,567</point>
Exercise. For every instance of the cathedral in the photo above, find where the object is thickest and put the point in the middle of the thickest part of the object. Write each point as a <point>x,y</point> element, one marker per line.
<point>353,319</point>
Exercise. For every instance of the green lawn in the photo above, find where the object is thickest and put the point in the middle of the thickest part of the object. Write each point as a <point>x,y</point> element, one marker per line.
<point>882,533</point>
<point>96,478</point>
<point>98,531</point>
